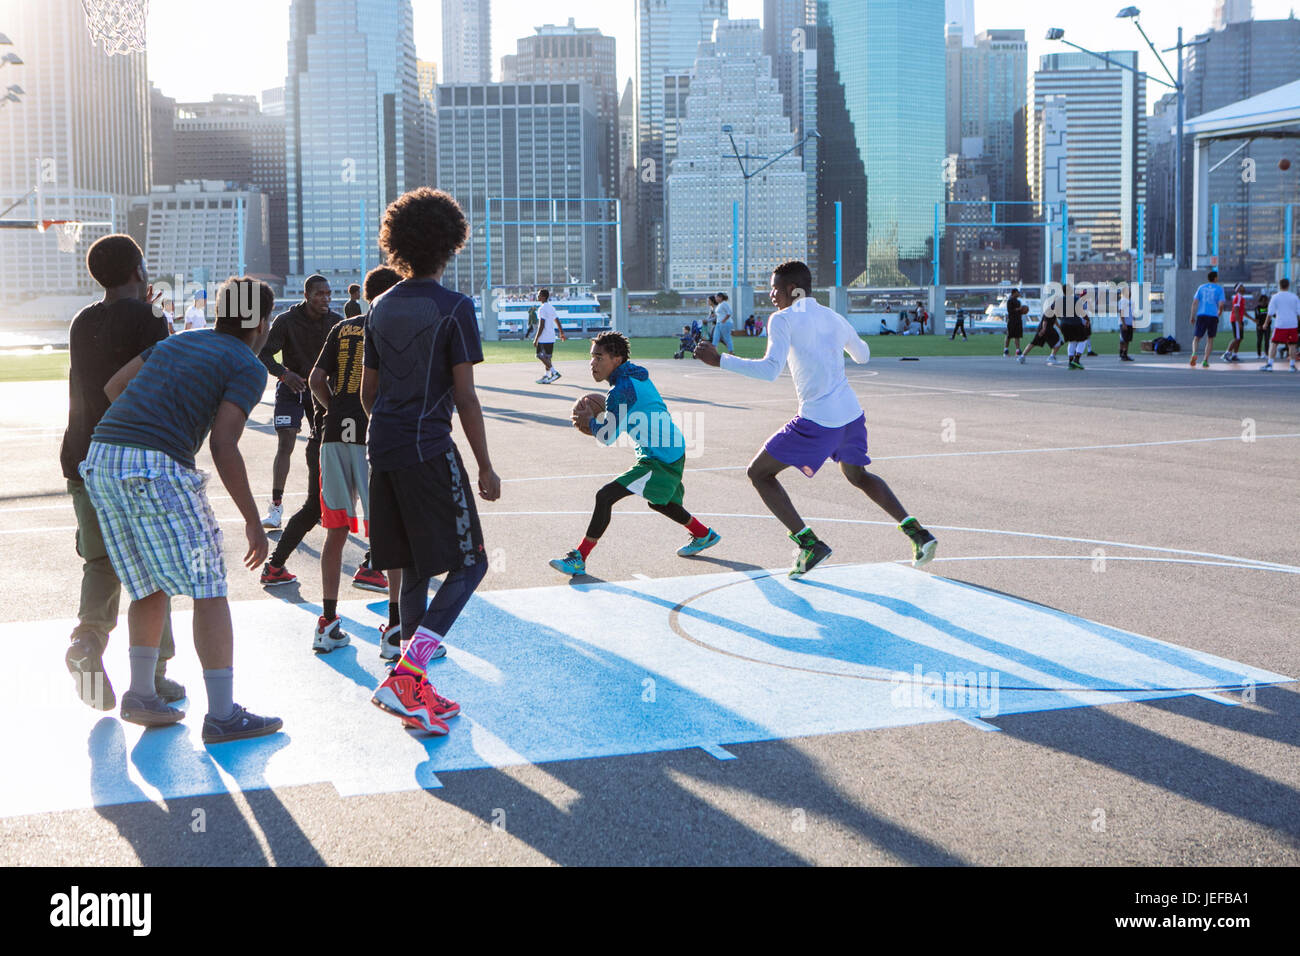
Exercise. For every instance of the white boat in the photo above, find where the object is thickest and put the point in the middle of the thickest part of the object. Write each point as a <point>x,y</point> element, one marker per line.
<point>576,307</point>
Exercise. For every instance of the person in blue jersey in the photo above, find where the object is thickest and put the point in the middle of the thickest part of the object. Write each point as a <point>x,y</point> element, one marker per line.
<point>633,407</point>
<point>159,529</point>
<point>1208,304</point>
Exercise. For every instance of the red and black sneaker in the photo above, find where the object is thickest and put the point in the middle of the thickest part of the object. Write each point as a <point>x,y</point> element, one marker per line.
<point>271,576</point>
<point>439,706</point>
<point>368,579</point>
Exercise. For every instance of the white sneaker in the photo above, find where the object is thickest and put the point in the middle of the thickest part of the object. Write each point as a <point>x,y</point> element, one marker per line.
<point>1266,367</point>
<point>1020,359</point>
<point>1293,368</point>
<point>274,514</point>
<point>1053,360</point>
<point>329,636</point>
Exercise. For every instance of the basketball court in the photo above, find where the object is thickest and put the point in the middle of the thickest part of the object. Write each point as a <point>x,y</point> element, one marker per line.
<point>1097,668</point>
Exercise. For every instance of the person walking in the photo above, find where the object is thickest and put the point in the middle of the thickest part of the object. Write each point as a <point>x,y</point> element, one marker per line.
<point>1208,304</point>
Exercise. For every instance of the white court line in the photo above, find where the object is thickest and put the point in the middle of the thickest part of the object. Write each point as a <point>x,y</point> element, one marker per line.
<point>941,454</point>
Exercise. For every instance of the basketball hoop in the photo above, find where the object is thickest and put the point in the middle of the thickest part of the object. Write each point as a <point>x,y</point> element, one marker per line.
<point>117,25</point>
<point>67,231</point>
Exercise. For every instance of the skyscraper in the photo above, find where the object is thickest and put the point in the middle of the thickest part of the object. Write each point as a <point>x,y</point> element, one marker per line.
<point>80,138</point>
<point>891,61</point>
<point>732,84</point>
<point>1105,117</point>
<point>668,32</point>
<point>840,173</point>
<point>230,139</point>
<point>510,141</point>
<point>466,41</point>
<point>585,55</point>
<point>786,27</point>
<point>1231,11</point>
<point>353,140</point>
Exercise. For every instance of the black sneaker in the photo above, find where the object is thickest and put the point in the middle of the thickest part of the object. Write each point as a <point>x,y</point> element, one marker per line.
<point>169,690</point>
<point>85,660</point>
<point>924,544</point>
<point>238,726</point>
<point>148,711</point>
<point>812,552</point>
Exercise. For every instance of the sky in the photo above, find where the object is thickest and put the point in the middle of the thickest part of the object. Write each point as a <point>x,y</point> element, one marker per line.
<point>259,31</point>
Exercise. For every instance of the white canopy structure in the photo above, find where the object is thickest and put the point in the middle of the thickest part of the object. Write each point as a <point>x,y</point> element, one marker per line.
<point>1274,113</point>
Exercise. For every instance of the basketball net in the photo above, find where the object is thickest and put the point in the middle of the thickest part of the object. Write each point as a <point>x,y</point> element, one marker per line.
<point>66,231</point>
<point>117,25</point>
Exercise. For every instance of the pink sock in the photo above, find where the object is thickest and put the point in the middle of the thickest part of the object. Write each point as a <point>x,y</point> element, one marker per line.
<point>415,660</point>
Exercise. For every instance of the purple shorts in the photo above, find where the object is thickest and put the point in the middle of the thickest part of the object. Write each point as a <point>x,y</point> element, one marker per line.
<point>805,445</point>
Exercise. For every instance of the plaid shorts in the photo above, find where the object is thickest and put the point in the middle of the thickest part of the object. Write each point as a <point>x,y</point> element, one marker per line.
<point>159,530</point>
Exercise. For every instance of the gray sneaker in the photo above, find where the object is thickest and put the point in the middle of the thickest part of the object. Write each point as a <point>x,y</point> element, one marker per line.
<point>85,663</point>
<point>169,690</point>
<point>238,726</point>
<point>148,711</point>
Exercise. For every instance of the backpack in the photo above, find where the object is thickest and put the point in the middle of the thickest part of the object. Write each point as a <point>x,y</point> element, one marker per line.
<point>1166,344</point>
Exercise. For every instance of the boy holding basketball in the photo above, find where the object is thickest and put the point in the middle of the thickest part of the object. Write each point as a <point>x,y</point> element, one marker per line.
<point>633,406</point>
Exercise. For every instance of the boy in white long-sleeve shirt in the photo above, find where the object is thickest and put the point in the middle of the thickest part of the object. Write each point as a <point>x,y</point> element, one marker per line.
<point>830,422</point>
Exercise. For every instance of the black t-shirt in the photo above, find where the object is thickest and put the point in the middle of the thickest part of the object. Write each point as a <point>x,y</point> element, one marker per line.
<point>1013,310</point>
<point>342,359</point>
<point>1261,310</point>
<point>351,309</point>
<point>102,339</point>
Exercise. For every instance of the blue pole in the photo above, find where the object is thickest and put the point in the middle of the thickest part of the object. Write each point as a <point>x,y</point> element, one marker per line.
<point>488,257</point>
<point>735,244</point>
<point>363,238</point>
<point>1286,268</point>
<point>618,238</point>
<point>1065,242</point>
<point>936,244</point>
<point>1141,243</point>
<point>839,244</point>
<point>1214,235</point>
<point>239,205</point>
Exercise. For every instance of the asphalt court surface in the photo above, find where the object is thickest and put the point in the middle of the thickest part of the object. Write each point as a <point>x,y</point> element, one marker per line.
<point>1117,549</point>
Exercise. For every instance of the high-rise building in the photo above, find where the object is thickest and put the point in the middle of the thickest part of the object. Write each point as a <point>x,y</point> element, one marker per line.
<point>668,33</point>
<point>1105,121</point>
<point>786,28</point>
<point>840,172</point>
<point>513,141</point>
<point>1231,11</point>
<point>426,72</point>
<point>628,182</point>
<point>961,14</point>
<point>732,84</point>
<point>985,92</point>
<point>201,232</point>
<point>76,147</point>
<point>273,102</point>
<point>892,64</point>
<point>1161,126</point>
<point>162,137</point>
<point>353,139</point>
<point>229,139</point>
<point>583,54</point>
<point>1242,60</point>
<point>466,41</point>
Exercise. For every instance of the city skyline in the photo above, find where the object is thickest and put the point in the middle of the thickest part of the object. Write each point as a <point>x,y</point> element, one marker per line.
<point>174,69</point>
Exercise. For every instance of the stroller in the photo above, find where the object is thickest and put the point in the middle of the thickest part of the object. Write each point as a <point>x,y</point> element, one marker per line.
<point>687,343</point>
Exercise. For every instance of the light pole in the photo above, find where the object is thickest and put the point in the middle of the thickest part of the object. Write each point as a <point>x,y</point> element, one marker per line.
<point>749,174</point>
<point>1177,85</point>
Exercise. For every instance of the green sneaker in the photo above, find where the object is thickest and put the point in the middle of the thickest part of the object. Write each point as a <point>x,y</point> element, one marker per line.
<point>924,544</point>
<point>1205,364</point>
<point>812,552</point>
<point>696,545</point>
<point>571,564</point>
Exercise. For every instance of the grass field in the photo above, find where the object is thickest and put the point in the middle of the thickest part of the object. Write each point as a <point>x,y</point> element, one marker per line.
<point>44,366</point>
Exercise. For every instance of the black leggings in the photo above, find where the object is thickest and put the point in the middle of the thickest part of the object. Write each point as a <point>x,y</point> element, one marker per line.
<point>614,492</point>
<point>452,596</point>
<point>306,517</point>
<point>1260,342</point>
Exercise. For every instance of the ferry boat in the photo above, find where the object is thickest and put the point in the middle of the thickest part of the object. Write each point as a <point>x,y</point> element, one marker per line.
<point>576,307</point>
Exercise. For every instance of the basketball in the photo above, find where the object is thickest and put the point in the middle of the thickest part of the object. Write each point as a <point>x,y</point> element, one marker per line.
<point>593,403</point>
<point>1284,164</point>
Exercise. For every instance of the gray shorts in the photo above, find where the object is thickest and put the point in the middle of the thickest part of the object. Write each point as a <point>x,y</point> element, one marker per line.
<point>344,481</point>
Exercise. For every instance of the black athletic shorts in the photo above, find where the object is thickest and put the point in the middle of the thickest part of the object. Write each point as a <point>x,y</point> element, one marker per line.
<point>424,517</point>
<point>1074,331</point>
<point>1051,339</point>
<point>1125,332</point>
<point>544,349</point>
<point>289,408</point>
<point>1015,327</point>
